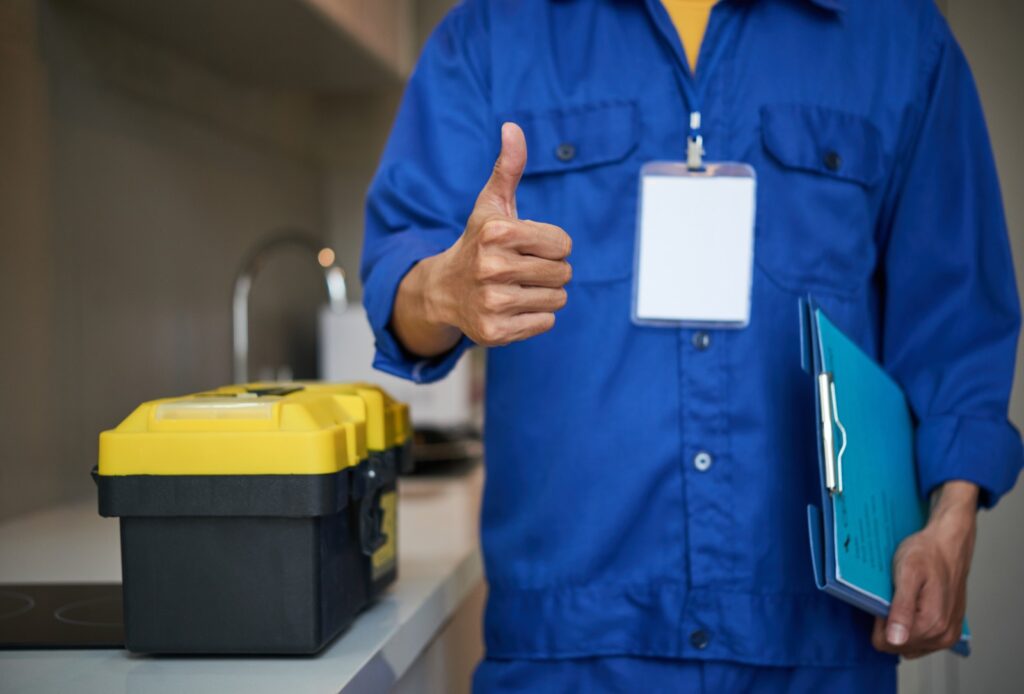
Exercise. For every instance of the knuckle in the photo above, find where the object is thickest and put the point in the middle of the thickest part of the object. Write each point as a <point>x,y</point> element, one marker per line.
<point>932,622</point>
<point>492,299</point>
<point>495,231</point>
<point>902,601</point>
<point>491,332</point>
<point>909,562</point>
<point>909,573</point>
<point>479,269</point>
<point>489,228</point>
<point>489,267</point>
<point>906,548</point>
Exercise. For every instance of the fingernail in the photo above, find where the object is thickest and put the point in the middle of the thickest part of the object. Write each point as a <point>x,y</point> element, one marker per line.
<point>896,634</point>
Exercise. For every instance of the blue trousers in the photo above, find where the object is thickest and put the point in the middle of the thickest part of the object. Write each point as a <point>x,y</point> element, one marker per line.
<point>654,675</point>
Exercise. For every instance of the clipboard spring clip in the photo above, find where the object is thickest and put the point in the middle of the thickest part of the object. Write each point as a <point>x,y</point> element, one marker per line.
<point>830,422</point>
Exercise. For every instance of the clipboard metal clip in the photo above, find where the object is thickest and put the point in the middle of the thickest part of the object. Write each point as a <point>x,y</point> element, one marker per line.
<point>830,422</point>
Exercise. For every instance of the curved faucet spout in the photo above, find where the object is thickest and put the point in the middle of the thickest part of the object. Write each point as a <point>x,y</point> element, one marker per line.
<point>334,279</point>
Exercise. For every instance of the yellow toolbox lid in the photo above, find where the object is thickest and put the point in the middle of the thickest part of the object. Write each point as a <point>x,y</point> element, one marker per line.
<point>255,429</point>
<point>387,420</point>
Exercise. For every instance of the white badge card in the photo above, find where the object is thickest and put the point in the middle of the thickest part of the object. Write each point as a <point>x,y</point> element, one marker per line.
<point>695,245</point>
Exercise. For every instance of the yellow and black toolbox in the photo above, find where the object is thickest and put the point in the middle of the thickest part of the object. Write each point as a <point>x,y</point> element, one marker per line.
<point>254,519</point>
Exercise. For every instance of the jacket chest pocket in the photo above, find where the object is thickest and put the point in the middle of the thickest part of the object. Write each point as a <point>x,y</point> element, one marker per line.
<point>580,176</point>
<point>817,197</point>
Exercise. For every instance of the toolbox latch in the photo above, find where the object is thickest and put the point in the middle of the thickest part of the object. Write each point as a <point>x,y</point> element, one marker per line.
<point>372,476</point>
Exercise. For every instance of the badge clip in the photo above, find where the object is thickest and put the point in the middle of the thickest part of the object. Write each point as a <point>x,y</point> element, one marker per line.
<point>695,145</point>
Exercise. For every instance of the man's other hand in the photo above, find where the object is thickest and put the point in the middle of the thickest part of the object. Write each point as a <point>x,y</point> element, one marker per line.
<point>930,575</point>
<point>501,282</point>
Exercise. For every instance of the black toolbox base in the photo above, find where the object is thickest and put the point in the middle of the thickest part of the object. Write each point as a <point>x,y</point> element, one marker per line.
<point>242,585</point>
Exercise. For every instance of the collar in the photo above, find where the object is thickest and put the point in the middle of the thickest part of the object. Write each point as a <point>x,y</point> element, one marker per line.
<point>831,5</point>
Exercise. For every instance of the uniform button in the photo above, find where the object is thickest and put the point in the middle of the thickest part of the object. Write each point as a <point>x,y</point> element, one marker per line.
<point>565,152</point>
<point>699,639</point>
<point>832,160</point>
<point>702,461</point>
<point>701,340</point>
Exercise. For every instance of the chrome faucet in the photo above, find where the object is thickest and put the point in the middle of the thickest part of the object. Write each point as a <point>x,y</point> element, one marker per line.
<point>325,258</point>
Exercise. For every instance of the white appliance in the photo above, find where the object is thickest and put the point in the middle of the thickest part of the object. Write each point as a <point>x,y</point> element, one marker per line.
<point>346,354</point>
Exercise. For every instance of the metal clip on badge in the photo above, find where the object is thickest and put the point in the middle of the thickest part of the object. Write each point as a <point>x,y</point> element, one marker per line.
<point>695,144</point>
<point>829,413</point>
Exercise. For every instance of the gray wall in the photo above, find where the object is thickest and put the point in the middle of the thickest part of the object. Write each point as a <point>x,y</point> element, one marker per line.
<point>134,180</point>
<point>27,292</point>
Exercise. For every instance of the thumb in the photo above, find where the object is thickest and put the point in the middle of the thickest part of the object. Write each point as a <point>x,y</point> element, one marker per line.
<point>500,191</point>
<point>909,581</point>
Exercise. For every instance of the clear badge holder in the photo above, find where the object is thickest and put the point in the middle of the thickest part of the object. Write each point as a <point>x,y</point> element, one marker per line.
<point>694,257</point>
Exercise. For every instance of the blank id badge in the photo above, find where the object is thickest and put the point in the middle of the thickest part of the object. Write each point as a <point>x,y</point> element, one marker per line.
<point>694,245</point>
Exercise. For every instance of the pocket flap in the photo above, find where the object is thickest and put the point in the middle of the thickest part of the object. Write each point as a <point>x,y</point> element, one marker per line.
<point>577,137</point>
<point>824,141</point>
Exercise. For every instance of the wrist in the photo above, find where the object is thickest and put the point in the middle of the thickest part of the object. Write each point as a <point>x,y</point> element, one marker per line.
<point>434,304</point>
<point>414,319</point>
<point>954,500</point>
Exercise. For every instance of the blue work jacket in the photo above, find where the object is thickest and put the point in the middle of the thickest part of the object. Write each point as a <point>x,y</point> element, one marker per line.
<point>647,487</point>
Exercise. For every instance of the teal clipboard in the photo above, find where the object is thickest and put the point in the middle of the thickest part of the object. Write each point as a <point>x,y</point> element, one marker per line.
<point>869,494</point>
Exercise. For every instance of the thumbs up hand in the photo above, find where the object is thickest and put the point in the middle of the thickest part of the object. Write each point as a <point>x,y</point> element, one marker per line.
<point>501,282</point>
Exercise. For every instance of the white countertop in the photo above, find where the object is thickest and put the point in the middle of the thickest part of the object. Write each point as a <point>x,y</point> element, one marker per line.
<point>439,565</point>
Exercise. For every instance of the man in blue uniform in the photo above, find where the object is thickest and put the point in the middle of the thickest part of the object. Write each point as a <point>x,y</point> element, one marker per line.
<point>644,517</point>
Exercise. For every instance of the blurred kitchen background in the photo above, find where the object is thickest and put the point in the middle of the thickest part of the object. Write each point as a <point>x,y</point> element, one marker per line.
<point>147,148</point>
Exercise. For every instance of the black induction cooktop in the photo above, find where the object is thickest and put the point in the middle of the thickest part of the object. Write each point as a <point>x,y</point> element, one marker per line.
<point>61,615</point>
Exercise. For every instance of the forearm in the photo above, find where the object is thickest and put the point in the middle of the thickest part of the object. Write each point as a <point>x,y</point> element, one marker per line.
<point>414,319</point>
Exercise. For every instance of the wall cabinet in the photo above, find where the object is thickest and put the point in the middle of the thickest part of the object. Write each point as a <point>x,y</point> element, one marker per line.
<point>315,45</point>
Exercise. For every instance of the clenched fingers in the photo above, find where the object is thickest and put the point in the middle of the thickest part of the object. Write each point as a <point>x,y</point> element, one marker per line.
<point>495,333</point>
<point>513,299</point>
<point>506,267</point>
<point>525,237</point>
